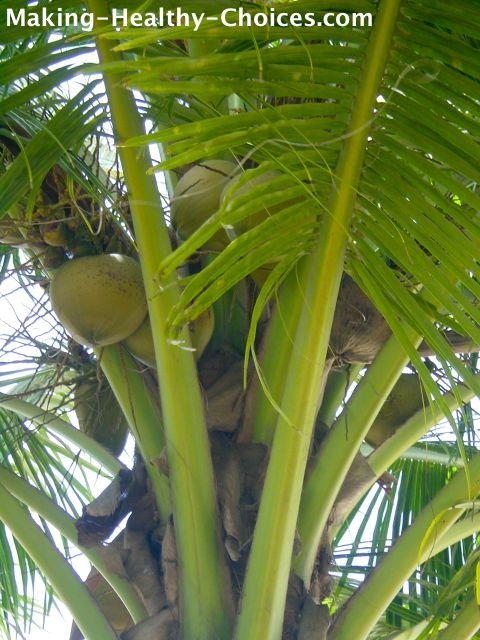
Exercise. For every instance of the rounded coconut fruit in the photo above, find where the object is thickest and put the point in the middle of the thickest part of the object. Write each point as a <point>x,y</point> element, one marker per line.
<point>405,399</point>
<point>140,343</point>
<point>197,197</point>
<point>99,299</point>
<point>265,211</point>
<point>261,274</point>
<point>359,331</point>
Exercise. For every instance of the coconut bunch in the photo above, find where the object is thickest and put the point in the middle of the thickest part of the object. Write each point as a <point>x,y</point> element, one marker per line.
<point>206,187</point>
<point>202,190</point>
<point>97,289</point>
<point>66,218</point>
<point>100,298</point>
<point>358,332</point>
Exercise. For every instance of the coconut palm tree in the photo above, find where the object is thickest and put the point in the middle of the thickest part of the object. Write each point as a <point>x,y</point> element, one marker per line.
<point>295,318</point>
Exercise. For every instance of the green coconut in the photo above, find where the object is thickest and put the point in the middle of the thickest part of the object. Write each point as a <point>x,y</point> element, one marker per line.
<point>197,197</point>
<point>265,210</point>
<point>405,399</point>
<point>99,299</point>
<point>201,330</point>
<point>140,343</point>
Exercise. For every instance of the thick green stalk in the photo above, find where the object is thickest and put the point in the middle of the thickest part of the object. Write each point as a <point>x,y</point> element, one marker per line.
<point>465,528</point>
<point>268,570</point>
<point>64,580</point>
<point>413,429</point>
<point>65,525</point>
<point>412,633</point>
<point>426,454</point>
<point>50,421</point>
<point>369,602</point>
<point>201,562</point>
<point>340,448</point>
<point>142,414</point>
<point>276,353</point>
<point>465,625</point>
<point>336,388</point>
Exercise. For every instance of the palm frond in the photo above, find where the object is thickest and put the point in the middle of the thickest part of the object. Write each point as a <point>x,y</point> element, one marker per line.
<point>403,217</point>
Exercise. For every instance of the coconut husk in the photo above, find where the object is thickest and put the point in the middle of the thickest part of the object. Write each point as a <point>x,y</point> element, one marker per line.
<point>253,458</point>
<point>293,608</point>
<point>229,490</point>
<point>359,479</point>
<point>162,626</point>
<point>141,567</point>
<point>169,564</point>
<point>358,330</point>
<point>321,583</point>
<point>224,400</point>
<point>108,601</point>
<point>144,515</point>
<point>315,621</point>
<point>405,399</point>
<point>100,518</point>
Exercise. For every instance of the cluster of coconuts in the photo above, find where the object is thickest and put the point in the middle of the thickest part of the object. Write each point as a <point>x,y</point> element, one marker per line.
<point>28,236</point>
<point>101,301</point>
<point>100,298</point>
<point>199,194</point>
<point>65,222</point>
<point>54,242</point>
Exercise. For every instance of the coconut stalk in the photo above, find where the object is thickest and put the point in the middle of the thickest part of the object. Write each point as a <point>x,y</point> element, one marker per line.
<point>336,388</point>
<point>201,563</point>
<point>142,414</point>
<point>59,573</point>
<point>340,448</point>
<point>414,428</point>
<point>47,509</point>
<point>51,422</point>
<point>268,569</point>
<point>274,361</point>
<point>466,623</point>
<point>368,603</point>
